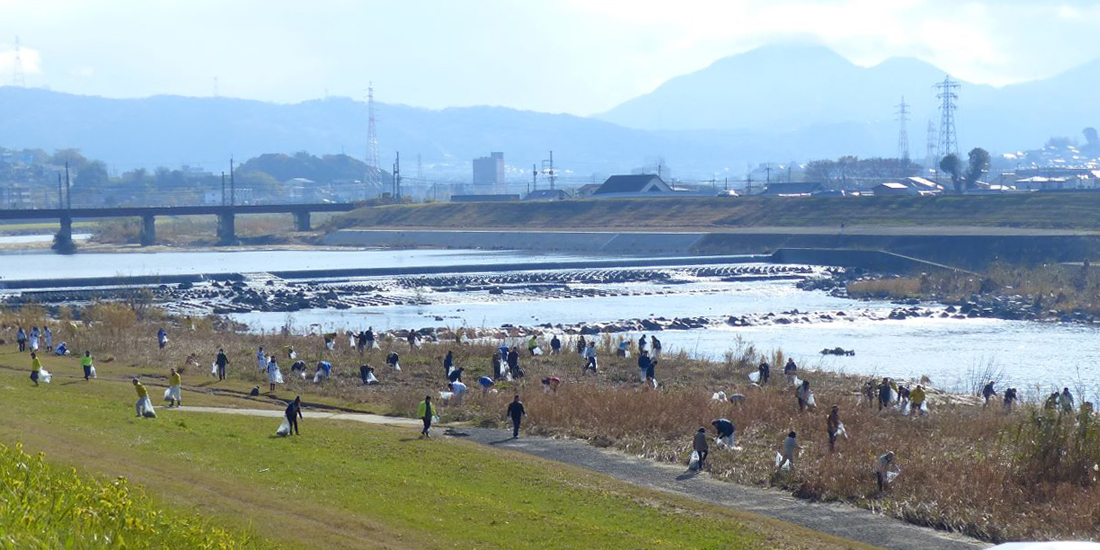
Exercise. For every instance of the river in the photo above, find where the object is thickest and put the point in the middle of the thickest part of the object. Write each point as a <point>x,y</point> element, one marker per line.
<point>952,352</point>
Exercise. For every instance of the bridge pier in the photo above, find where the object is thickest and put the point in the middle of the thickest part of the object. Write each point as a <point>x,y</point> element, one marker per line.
<point>148,230</point>
<point>301,220</point>
<point>227,228</point>
<point>63,241</point>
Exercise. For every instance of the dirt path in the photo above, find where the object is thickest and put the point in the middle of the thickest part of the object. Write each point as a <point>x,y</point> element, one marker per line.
<point>835,519</point>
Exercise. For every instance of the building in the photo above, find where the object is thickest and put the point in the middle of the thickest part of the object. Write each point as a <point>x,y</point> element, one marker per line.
<point>795,189</point>
<point>636,185</point>
<point>489,170</point>
<point>586,190</point>
<point>547,195</point>
<point>893,189</point>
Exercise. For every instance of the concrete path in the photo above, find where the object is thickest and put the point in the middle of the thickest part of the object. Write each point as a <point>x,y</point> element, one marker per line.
<point>840,520</point>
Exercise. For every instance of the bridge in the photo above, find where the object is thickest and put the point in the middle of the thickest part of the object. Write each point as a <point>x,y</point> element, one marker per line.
<point>227,232</point>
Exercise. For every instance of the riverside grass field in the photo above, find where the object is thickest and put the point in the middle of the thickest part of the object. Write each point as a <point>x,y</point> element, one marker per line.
<point>969,469</point>
<point>226,480</point>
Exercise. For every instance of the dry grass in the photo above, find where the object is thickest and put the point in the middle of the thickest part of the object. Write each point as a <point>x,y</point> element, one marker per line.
<point>964,468</point>
<point>895,287</point>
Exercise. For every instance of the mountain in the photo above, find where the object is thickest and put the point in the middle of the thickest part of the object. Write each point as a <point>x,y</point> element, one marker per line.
<point>790,88</point>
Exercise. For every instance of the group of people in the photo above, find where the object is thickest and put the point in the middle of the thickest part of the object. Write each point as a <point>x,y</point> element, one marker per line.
<point>888,393</point>
<point>34,340</point>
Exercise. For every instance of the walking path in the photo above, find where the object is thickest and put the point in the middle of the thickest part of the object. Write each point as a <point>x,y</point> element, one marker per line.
<point>840,520</point>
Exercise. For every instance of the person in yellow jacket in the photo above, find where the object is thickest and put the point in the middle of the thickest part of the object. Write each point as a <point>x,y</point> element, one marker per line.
<point>916,399</point>
<point>36,368</point>
<point>173,396</point>
<point>89,365</point>
<point>142,393</point>
<point>425,412</point>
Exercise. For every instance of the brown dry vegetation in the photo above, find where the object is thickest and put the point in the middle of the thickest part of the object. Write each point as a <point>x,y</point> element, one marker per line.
<point>1028,475</point>
<point>201,230</point>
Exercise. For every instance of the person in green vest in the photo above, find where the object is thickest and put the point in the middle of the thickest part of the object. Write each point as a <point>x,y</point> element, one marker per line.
<point>36,368</point>
<point>425,412</point>
<point>88,365</point>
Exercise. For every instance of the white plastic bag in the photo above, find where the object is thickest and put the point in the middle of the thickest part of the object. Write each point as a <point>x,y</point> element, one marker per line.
<point>755,376</point>
<point>168,394</point>
<point>536,351</point>
<point>213,369</point>
<point>891,476</point>
<point>397,367</point>
<point>147,408</point>
<point>810,402</point>
<point>779,460</point>
<point>719,396</point>
<point>318,376</point>
<point>45,376</point>
<point>841,432</point>
<point>693,462</point>
<point>284,428</point>
<point>92,369</point>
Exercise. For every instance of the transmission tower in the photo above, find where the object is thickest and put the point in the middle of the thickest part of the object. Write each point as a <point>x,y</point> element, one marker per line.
<point>374,173</point>
<point>930,156</point>
<point>903,133</point>
<point>17,78</point>
<point>948,95</point>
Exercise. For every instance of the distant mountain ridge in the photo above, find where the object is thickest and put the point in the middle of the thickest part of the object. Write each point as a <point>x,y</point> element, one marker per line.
<point>777,104</point>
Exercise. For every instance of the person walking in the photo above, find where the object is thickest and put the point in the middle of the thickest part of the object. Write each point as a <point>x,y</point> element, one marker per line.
<point>699,445</point>
<point>162,338</point>
<point>36,368</point>
<point>832,427</point>
<point>425,412</point>
<point>412,337</point>
<point>293,413</point>
<point>175,385</point>
<point>21,339</point>
<point>885,393</point>
<point>448,363</point>
<point>34,339</point>
<point>274,375</point>
<point>88,364</point>
<point>590,358</point>
<point>988,392</point>
<point>222,361</point>
<point>142,394</point>
<point>516,412</point>
<point>47,336</point>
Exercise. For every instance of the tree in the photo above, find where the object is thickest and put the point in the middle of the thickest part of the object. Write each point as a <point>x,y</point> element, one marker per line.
<point>952,165</point>
<point>978,164</point>
<point>90,176</point>
<point>1090,135</point>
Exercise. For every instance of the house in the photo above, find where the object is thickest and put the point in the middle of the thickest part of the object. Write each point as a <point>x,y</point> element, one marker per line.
<point>893,189</point>
<point>795,189</point>
<point>924,186</point>
<point>547,195</point>
<point>586,190</point>
<point>637,185</point>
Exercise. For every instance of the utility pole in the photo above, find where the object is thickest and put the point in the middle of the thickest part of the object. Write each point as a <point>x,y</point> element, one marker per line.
<point>232,185</point>
<point>930,156</point>
<point>68,188</point>
<point>397,177</point>
<point>903,132</point>
<point>534,177</point>
<point>60,195</point>
<point>768,171</point>
<point>749,184</point>
<point>553,178</point>
<point>223,189</point>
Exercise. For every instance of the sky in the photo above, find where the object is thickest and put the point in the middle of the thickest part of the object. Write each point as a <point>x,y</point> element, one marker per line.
<point>572,56</point>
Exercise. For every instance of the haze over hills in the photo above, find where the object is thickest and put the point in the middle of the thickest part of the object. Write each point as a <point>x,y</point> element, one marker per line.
<point>773,104</point>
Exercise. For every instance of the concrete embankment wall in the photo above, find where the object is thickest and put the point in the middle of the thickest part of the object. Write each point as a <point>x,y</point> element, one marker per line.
<point>874,260</point>
<point>560,241</point>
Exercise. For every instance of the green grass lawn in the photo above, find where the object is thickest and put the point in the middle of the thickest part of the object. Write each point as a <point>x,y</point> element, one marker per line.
<point>349,485</point>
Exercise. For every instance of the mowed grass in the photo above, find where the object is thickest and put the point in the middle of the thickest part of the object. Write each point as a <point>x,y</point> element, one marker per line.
<point>348,485</point>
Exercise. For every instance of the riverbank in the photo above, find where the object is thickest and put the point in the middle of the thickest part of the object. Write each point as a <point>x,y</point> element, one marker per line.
<point>965,468</point>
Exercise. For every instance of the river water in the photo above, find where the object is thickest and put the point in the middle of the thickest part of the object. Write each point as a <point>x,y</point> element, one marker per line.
<point>952,352</point>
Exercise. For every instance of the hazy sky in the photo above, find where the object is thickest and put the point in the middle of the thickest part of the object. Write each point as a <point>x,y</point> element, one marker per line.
<point>575,56</point>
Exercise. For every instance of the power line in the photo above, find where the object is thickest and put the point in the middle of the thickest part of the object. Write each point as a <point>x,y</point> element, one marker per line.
<point>903,133</point>
<point>948,95</point>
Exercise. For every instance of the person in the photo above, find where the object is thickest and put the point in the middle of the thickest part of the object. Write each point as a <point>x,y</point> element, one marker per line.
<point>330,341</point>
<point>298,368</point>
<point>884,393</point>
<point>869,392</point>
<point>61,350</point>
<point>643,365</point>
<point>532,345</point>
<point>162,338</point>
<point>293,413</point>
<point>903,396</point>
<point>370,337</point>
<point>142,394</point>
<point>425,412</point>
<point>832,427</point>
<point>513,363</point>
<point>21,339</point>
<point>590,358</point>
<point>651,374</point>
<point>1010,398</point>
<point>581,347</point>
<point>765,371</point>
<point>459,390</point>
<point>88,365</point>
<point>456,375</point>
<point>1066,401</point>
<point>273,374</point>
<point>175,383</point>
<point>222,360</point>
<point>882,470</point>
<point>916,399</point>
<point>988,392</point>
<point>656,345</point>
<point>551,383</point>
<point>36,368</point>
<point>47,336</point>
<point>34,339</point>
<point>804,395</point>
<point>790,369</point>
<point>322,372</point>
<point>412,338</point>
<point>642,344</point>
<point>486,383</point>
<point>725,430</point>
<point>351,339</point>
<point>498,369</point>
<point>366,372</point>
<point>789,452</point>
<point>290,353</point>
<point>261,359</point>
<point>555,345</point>
<point>393,360</point>
<point>361,342</point>
<point>1051,402</point>
<point>699,445</point>
<point>516,412</point>
<point>624,348</point>
<point>448,363</point>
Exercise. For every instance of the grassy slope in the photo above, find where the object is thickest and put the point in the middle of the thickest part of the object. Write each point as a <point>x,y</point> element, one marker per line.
<point>346,485</point>
<point>1051,211</point>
